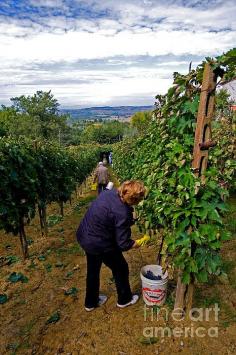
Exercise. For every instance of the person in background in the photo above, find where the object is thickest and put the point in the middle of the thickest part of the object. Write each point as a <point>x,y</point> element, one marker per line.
<point>110,158</point>
<point>104,160</point>
<point>104,234</point>
<point>101,177</point>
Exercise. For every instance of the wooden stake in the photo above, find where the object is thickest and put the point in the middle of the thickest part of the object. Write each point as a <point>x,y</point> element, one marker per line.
<point>202,143</point>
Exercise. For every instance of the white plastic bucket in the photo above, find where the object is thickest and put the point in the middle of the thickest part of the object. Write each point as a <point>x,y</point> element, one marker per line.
<point>154,291</point>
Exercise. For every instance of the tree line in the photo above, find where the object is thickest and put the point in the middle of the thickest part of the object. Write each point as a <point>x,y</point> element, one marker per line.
<point>39,116</point>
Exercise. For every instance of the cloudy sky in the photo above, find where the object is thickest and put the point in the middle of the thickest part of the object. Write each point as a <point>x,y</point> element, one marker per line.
<point>107,52</point>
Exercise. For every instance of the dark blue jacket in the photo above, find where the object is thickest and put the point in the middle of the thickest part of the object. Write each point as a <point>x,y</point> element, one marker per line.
<point>106,225</point>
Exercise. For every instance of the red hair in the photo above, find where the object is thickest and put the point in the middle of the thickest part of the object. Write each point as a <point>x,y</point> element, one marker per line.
<point>132,191</point>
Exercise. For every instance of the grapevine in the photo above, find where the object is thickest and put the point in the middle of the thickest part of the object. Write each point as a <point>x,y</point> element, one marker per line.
<point>186,209</point>
<point>35,174</point>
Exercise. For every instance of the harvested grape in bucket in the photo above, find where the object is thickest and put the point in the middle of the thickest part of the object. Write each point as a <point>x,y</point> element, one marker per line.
<point>151,276</point>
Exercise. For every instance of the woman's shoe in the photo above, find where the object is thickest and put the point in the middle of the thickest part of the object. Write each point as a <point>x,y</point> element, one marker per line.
<point>135,299</point>
<point>102,300</point>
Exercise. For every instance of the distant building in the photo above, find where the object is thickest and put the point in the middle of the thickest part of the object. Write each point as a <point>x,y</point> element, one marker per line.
<point>231,88</point>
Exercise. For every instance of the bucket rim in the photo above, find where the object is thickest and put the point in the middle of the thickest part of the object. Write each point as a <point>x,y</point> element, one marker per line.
<point>165,278</point>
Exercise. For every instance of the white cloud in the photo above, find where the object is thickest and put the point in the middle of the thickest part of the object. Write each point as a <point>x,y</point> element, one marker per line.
<point>129,29</point>
<point>82,45</point>
<point>89,87</point>
<point>47,3</point>
<point>211,14</point>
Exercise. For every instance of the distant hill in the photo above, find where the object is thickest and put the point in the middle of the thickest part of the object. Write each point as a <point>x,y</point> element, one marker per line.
<point>105,112</point>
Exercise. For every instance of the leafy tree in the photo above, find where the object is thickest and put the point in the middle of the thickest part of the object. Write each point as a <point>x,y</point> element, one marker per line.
<point>15,124</point>
<point>227,60</point>
<point>72,135</point>
<point>104,133</point>
<point>224,154</point>
<point>140,120</point>
<point>41,108</point>
<point>224,134</point>
<point>223,104</point>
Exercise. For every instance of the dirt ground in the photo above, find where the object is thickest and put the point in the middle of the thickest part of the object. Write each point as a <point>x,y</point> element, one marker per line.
<point>57,264</point>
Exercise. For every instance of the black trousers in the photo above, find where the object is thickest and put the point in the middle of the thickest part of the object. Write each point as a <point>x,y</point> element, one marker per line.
<point>120,271</point>
<point>101,187</point>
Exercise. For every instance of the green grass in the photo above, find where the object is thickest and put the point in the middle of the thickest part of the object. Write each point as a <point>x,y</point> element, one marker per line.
<point>209,301</point>
<point>83,202</point>
<point>13,347</point>
<point>228,266</point>
<point>32,265</point>
<point>71,250</point>
<point>202,298</point>
<point>26,329</point>
<point>20,301</point>
<point>53,220</point>
<point>69,275</point>
<point>169,302</point>
<point>48,267</point>
<point>227,315</point>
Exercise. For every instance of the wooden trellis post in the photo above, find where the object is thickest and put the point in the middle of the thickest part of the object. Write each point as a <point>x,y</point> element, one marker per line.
<point>202,143</point>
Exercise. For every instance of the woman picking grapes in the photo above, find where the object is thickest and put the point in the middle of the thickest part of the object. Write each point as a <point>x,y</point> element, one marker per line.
<point>104,233</point>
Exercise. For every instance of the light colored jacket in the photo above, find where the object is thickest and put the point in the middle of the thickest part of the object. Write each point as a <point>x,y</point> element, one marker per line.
<point>102,175</point>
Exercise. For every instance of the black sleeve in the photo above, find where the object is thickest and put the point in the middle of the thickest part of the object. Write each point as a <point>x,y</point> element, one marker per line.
<point>122,230</point>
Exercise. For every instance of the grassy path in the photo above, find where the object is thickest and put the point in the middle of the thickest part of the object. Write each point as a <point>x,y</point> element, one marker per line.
<point>58,265</point>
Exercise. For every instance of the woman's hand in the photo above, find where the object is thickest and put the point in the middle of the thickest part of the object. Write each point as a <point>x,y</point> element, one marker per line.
<point>142,241</point>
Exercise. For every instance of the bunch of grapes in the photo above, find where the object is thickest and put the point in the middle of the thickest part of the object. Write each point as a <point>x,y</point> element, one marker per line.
<point>149,275</point>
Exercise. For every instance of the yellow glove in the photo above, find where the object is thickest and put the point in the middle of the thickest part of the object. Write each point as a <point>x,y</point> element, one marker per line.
<point>94,186</point>
<point>142,241</point>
